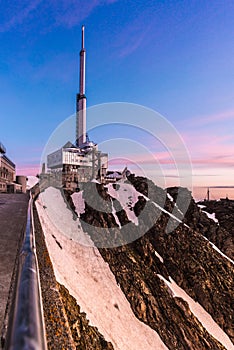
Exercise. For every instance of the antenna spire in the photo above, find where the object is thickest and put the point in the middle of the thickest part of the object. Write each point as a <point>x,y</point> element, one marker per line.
<point>82,63</point>
<point>81,99</point>
<point>82,37</point>
<point>208,194</point>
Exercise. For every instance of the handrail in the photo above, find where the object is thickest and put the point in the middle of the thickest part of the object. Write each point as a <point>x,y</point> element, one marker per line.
<point>26,328</point>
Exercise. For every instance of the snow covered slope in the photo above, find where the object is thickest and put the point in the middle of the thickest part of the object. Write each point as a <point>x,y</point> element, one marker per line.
<point>83,271</point>
<point>177,283</point>
<point>31,181</point>
<point>182,253</point>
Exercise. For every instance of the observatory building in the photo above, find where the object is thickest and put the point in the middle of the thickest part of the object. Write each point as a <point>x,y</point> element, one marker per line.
<point>82,161</point>
<point>9,182</point>
<point>7,170</point>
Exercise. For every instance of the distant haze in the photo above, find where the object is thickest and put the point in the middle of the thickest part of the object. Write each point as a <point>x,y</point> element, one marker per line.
<point>200,193</point>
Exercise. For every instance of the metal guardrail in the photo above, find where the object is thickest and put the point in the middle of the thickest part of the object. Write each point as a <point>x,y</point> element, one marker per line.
<point>26,328</point>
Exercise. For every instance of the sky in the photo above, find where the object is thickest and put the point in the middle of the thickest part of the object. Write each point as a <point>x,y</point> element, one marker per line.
<point>174,57</point>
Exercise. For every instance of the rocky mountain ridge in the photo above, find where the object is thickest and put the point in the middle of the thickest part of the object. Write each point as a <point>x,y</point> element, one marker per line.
<point>186,256</point>
<point>175,280</point>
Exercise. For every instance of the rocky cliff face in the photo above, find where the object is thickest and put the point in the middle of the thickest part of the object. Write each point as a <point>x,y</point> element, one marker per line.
<point>84,336</point>
<point>220,233</point>
<point>145,266</point>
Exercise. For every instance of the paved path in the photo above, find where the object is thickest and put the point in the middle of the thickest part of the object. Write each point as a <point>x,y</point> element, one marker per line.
<point>13,213</point>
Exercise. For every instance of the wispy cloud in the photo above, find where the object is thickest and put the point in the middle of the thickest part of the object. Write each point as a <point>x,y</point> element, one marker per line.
<point>132,36</point>
<point>134,40</point>
<point>202,120</point>
<point>17,17</point>
<point>69,13</point>
<point>211,158</point>
<point>65,13</point>
<point>222,187</point>
<point>211,162</point>
<point>27,170</point>
<point>202,142</point>
<point>225,115</point>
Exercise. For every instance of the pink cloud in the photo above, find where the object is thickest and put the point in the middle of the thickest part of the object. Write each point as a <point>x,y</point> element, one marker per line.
<point>211,118</point>
<point>206,145</point>
<point>207,155</point>
<point>144,158</point>
<point>27,170</point>
<point>211,162</point>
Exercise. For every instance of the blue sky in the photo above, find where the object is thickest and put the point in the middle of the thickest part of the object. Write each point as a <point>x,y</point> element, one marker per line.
<point>175,57</point>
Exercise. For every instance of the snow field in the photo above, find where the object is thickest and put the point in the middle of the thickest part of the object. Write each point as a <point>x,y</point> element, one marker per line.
<point>88,278</point>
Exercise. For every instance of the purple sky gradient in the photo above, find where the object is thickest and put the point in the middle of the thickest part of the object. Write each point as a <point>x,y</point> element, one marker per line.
<point>175,57</point>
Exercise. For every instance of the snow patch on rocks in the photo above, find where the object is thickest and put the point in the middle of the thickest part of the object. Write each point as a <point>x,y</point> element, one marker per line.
<point>203,316</point>
<point>218,250</point>
<point>158,256</point>
<point>79,203</point>
<point>127,195</point>
<point>211,216</point>
<point>170,197</point>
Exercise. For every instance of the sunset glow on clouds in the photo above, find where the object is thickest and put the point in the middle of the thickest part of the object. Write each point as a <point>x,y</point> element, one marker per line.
<point>211,154</point>
<point>28,170</point>
<point>211,145</point>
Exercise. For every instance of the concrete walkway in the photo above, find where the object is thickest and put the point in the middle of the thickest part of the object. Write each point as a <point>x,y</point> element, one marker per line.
<point>13,214</point>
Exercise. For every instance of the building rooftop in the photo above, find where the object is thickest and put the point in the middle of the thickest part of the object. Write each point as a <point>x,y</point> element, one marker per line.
<point>9,161</point>
<point>2,148</point>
